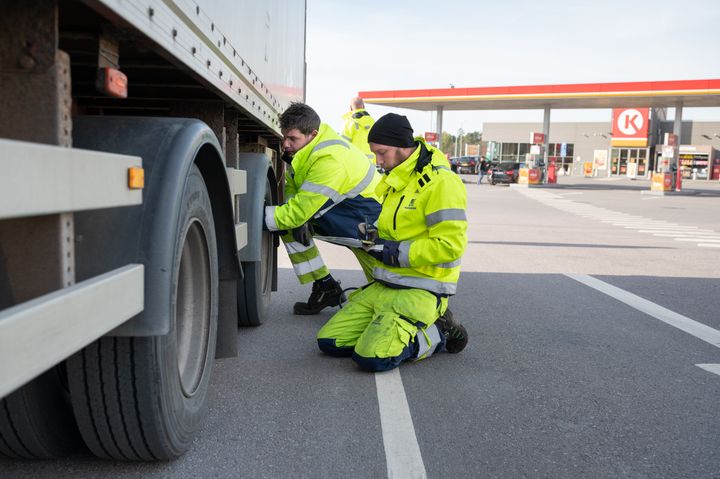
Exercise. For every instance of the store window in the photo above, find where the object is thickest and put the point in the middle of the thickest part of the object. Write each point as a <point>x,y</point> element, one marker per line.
<point>694,165</point>
<point>509,152</point>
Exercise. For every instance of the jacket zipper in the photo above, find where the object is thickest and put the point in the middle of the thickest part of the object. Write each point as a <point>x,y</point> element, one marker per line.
<point>396,212</point>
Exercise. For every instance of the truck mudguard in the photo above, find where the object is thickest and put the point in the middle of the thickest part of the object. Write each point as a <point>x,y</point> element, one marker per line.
<point>251,209</point>
<point>108,239</point>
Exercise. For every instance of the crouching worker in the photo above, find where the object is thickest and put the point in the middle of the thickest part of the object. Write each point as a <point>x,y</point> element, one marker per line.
<point>402,315</point>
<point>329,188</point>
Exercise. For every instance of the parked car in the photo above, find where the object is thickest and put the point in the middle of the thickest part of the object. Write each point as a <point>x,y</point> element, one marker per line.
<point>453,164</point>
<point>505,172</point>
<point>468,165</point>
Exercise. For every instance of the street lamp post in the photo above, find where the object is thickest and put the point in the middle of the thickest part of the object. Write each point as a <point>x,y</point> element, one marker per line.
<point>459,139</point>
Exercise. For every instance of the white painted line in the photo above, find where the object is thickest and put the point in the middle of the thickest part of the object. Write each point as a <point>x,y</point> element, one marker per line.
<point>652,224</point>
<point>713,368</point>
<point>669,228</point>
<point>628,221</point>
<point>639,226</point>
<point>709,245</point>
<point>645,222</point>
<point>683,323</point>
<point>696,238</point>
<point>679,233</point>
<point>402,452</point>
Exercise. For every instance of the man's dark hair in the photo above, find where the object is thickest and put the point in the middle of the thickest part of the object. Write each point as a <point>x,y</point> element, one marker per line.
<point>300,116</point>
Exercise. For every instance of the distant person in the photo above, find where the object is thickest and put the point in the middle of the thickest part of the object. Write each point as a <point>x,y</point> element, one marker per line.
<point>482,169</point>
<point>329,189</point>
<point>357,126</point>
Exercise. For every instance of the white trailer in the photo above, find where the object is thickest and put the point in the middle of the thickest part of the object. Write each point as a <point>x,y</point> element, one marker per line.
<point>139,143</point>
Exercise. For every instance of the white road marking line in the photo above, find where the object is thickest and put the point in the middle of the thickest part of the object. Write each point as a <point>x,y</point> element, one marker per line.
<point>713,368</point>
<point>402,452</point>
<point>632,222</point>
<point>673,235</point>
<point>645,224</point>
<point>708,245</point>
<point>679,233</point>
<point>683,323</point>
<point>696,238</point>
<point>668,228</point>
<point>652,224</point>
<point>657,226</point>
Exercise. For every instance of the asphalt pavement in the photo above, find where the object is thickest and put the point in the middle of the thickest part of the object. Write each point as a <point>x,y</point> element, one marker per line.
<point>559,380</point>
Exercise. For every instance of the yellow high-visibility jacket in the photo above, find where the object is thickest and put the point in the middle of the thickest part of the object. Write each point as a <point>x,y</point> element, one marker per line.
<point>324,173</point>
<point>423,207</point>
<point>357,127</point>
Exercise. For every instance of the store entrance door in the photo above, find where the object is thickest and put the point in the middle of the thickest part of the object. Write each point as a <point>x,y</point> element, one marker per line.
<point>620,158</point>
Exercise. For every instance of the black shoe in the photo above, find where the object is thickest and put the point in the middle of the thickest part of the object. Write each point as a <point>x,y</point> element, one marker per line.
<point>456,336</point>
<point>321,298</point>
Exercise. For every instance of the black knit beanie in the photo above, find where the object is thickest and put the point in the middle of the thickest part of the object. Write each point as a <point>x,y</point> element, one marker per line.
<point>392,130</point>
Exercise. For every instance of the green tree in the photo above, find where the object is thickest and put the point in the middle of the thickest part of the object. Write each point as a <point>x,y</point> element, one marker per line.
<point>447,145</point>
<point>448,141</point>
<point>472,138</point>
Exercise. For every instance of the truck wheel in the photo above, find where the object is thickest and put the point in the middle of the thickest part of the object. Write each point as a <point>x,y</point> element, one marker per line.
<point>255,287</point>
<point>36,421</point>
<point>141,398</point>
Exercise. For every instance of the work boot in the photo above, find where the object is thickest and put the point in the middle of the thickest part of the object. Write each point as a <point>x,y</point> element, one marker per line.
<point>456,336</point>
<point>320,298</point>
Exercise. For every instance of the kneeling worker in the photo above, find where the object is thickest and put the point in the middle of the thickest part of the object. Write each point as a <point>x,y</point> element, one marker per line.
<point>329,189</point>
<point>422,228</point>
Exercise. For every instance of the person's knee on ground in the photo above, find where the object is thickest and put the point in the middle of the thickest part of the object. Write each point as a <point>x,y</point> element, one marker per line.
<point>340,333</point>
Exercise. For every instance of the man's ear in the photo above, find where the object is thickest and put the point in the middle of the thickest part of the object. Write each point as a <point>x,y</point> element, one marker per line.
<point>313,134</point>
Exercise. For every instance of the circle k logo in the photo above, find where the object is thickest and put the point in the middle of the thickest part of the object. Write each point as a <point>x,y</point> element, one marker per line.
<point>630,122</point>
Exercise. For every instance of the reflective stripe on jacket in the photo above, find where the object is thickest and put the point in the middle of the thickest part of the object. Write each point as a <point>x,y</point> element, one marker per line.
<point>323,173</point>
<point>425,211</point>
<point>357,127</point>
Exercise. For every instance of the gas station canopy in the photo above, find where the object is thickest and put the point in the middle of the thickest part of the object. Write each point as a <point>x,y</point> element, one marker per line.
<point>688,93</point>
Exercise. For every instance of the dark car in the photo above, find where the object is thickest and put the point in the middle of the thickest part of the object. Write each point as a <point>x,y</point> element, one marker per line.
<point>468,165</point>
<point>453,164</point>
<point>505,172</point>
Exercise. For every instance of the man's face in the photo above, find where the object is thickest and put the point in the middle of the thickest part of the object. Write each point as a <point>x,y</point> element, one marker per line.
<point>294,139</point>
<point>388,157</point>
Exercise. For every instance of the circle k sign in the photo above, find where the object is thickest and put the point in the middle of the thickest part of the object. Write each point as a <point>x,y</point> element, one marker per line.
<point>630,123</point>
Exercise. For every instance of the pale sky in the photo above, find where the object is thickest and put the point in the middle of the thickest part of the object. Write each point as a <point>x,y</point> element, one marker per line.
<point>392,45</point>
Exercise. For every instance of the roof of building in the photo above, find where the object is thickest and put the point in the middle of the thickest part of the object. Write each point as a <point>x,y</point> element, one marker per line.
<point>692,93</point>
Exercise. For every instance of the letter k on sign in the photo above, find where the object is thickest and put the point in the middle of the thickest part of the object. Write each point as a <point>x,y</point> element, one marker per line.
<point>630,122</point>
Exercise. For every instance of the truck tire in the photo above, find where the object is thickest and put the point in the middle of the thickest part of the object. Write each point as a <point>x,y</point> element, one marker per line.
<point>256,286</point>
<point>36,421</point>
<point>142,398</point>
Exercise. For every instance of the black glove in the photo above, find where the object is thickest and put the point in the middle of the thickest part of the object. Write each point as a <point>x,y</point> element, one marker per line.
<point>303,234</point>
<point>390,253</point>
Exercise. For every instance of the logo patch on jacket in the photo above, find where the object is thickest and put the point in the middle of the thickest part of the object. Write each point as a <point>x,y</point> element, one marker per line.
<point>411,205</point>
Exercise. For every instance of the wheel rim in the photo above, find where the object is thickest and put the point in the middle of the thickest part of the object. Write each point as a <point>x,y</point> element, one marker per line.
<point>192,310</point>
